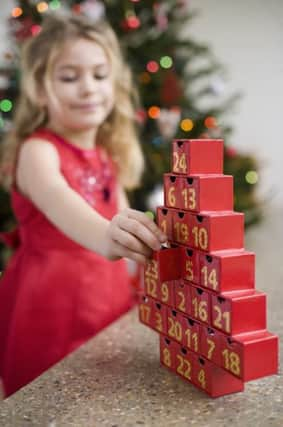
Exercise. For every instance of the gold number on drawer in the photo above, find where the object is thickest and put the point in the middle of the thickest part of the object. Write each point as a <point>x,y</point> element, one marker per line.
<point>167,357</point>
<point>181,305</point>
<point>171,197</point>
<point>201,378</point>
<point>163,226</point>
<point>189,196</point>
<point>189,270</point>
<point>192,337</point>
<point>164,292</point>
<point>232,361</point>
<point>222,318</point>
<point>200,309</point>
<point>211,345</point>
<point>183,163</point>
<point>200,237</point>
<point>184,367</point>
<point>151,287</point>
<point>182,232</point>
<point>211,278</point>
<point>151,269</point>
<point>174,329</point>
<point>179,163</point>
<point>158,321</point>
<point>145,313</point>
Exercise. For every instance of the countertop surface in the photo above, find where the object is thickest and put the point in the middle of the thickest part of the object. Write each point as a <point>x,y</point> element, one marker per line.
<point>116,380</point>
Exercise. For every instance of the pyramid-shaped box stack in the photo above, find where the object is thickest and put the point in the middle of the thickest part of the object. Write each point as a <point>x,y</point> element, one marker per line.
<point>199,292</point>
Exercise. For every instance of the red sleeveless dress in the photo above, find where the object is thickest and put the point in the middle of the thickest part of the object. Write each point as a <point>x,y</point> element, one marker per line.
<point>55,294</point>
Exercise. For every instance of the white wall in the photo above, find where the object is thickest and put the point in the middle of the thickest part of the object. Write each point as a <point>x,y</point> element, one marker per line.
<point>5,10</point>
<point>247,36</point>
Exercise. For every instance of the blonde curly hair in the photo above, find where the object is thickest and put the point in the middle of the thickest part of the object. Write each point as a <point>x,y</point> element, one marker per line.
<point>118,133</point>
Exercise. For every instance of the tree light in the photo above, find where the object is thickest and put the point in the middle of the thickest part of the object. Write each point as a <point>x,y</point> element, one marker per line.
<point>251,177</point>
<point>166,62</point>
<point>210,122</point>
<point>144,77</point>
<point>55,4</point>
<point>16,12</point>
<point>6,105</point>
<point>187,125</point>
<point>152,66</point>
<point>42,7</point>
<point>154,112</point>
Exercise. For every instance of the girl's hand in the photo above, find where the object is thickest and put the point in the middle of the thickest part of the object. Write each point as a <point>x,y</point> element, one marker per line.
<point>132,234</point>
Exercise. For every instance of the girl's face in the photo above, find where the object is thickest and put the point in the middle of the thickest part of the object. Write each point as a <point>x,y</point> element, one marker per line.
<point>82,88</point>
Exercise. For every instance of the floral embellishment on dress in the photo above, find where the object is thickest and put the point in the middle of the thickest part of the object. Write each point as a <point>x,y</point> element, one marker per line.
<point>94,185</point>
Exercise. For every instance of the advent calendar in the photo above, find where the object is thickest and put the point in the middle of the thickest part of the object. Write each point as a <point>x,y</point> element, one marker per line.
<point>199,291</point>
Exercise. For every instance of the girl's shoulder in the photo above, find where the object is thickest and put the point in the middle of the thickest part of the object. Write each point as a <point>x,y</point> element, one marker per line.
<point>36,148</point>
<point>63,145</point>
<point>37,158</point>
<point>42,135</point>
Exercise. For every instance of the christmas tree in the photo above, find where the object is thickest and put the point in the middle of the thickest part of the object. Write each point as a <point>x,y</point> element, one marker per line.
<point>179,81</point>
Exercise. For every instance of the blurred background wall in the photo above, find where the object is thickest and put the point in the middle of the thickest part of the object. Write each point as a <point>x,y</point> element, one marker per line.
<point>247,36</point>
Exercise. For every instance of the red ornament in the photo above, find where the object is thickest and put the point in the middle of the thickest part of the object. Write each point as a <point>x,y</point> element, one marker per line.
<point>171,91</point>
<point>21,28</point>
<point>141,116</point>
<point>35,29</point>
<point>131,23</point>
<point>77,8</point>
<point>231,152</point>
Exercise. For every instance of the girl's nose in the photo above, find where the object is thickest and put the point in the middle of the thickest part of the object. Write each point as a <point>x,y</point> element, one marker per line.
<point>88,84</point>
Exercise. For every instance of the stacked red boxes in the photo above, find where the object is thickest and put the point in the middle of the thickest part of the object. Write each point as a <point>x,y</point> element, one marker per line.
<point>199,292</point>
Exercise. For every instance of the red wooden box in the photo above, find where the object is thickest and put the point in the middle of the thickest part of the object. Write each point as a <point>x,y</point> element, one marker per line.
<point>182,293</point>
<point>168,349</point>
<point>181,222</point>
<point>184,363</point>
<point>165,265</point>
<point>201,305</point>
<point>205,193</point>
<point>212,379</point>
<point>172,190</point>
<point>197,156</point>
<point>210,344</point>
<point>174,325</point>
<point>238,312</point>
<point>161,291</point>
<point>228,270</point>
<point>166,293</point>
<point>190,264</point>
<point>164,221</point>
<point>153,314</point>
<point>250,356</point>
<point>216,230</point>
<point>191,334</point>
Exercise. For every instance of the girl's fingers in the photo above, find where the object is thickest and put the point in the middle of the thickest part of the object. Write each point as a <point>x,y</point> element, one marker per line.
<point>122,251</point>
<point>129,241</point>
<point>147,222</point>
<point>139,230</point>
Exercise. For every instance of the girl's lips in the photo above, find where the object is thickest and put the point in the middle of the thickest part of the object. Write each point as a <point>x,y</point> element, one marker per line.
<point>88,107</point>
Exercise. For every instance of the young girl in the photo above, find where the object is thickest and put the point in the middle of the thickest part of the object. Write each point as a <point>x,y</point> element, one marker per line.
<point>74,150</point>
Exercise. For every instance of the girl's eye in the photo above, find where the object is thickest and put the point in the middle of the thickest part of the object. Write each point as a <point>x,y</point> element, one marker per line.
<point>67,78</point>
<point>100,76</point>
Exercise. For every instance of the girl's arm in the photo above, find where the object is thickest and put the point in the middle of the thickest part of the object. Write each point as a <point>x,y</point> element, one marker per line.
<point>123,201</point>
<point>130,233</point>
